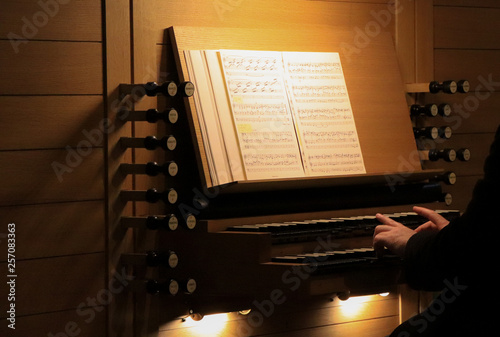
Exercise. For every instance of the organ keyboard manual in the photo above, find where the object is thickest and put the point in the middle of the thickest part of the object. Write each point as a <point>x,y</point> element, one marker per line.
<point>268,114</point>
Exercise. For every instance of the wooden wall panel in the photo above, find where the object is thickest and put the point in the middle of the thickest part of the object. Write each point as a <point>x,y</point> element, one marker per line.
<point>51,68</point>
<point>56,322</point>
<point>29,176</point>
<point>463,27</point>
<point>120,312</point>
<point>45,122</point>
<point>46,230</point>
<point>260,14</point>
<point>77,20</point>
<point>55,284</point>
<point>51,110</point>
<point>468,3</point>
<point>480,67</point>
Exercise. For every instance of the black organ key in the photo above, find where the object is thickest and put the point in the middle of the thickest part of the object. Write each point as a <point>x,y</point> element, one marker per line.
<point>335,228</point>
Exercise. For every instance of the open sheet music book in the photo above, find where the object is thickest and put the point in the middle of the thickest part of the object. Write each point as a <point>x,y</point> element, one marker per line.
<point>273,115</point>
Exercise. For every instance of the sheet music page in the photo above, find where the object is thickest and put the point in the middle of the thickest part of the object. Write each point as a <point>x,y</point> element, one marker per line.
<point>261,113</point>
<point>322,110</point>
<point>224,117</point>
<point>219,168</point>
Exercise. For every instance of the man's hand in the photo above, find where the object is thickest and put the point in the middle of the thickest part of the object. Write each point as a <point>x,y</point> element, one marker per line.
<point>391,234</point>
<point>436,222</point>
<point>394,236</point>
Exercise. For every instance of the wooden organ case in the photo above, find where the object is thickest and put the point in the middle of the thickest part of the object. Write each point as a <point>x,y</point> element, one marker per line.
<point>236,246</point>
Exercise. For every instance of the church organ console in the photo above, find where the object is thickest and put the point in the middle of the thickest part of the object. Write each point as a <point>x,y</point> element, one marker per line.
<point>237,242</point>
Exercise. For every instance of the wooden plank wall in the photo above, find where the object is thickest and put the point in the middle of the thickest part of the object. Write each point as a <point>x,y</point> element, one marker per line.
<point>52,166</point>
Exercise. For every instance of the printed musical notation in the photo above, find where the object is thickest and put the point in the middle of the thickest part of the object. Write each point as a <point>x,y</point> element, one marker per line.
<point>261,113</point>
<point>331,114</point>
<point>259,161</point>
<point>246,86</point>
<point>249,63</point>
<point>322,68</point>
<point>319,91</point>
<point>288,112</point>
<point>321,106</point>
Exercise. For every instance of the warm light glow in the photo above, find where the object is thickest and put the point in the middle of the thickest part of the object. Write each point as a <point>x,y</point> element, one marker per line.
<point>383,294</point>
<point>354,305</point>
<point>210,325</point>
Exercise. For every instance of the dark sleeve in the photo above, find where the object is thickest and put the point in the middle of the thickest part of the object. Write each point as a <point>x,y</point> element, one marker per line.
<point>467,244</point>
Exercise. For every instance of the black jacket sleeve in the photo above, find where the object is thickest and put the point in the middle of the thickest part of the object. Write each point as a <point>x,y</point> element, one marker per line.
<point>466,247</point>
